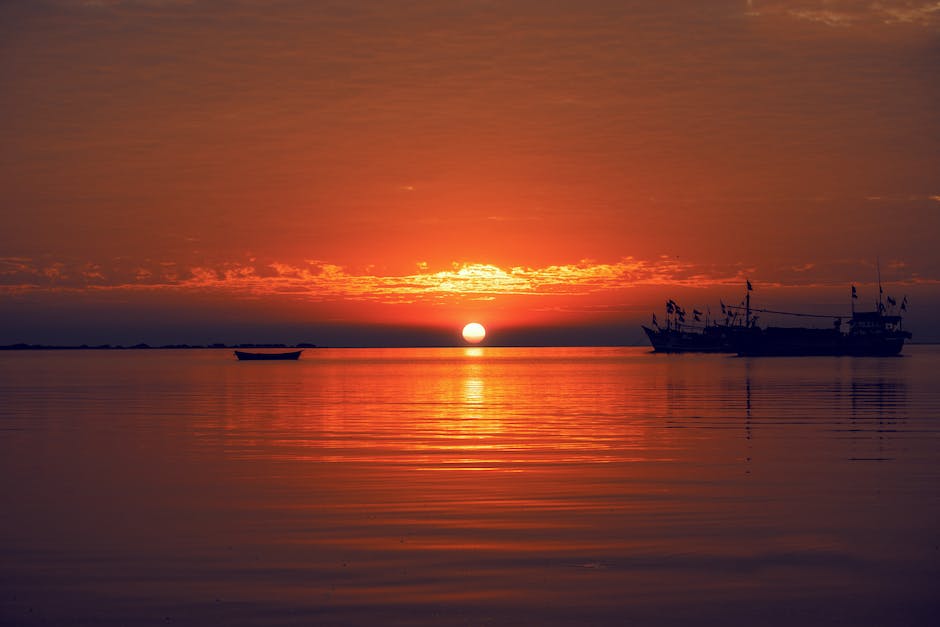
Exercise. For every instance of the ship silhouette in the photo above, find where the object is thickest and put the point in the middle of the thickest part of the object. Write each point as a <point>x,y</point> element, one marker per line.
<point>878,332</point>
<point>677,336</point>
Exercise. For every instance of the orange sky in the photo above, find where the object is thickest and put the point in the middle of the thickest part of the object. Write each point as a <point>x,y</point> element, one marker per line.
<point>201,171</point>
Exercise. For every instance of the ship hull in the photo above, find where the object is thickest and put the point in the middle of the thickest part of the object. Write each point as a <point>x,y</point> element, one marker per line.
<point>797,342</point>
<point>711,340</point>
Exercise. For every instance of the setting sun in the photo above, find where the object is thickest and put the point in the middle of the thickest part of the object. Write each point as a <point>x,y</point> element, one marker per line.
<point>474,333</point>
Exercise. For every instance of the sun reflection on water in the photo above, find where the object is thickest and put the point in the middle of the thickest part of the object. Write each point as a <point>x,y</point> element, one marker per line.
<point>534,480</point>
<point>473,391</point>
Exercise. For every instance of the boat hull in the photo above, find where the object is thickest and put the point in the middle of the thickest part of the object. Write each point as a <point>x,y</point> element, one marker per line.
<point>798,342</point>
<point>710,340</point>
<point>245,356</point>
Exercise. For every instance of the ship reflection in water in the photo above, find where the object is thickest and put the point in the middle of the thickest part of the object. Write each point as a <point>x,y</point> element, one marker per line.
<point>469,486</point>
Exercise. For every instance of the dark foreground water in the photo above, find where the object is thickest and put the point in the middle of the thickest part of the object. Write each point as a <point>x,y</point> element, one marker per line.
<point>469,486</point>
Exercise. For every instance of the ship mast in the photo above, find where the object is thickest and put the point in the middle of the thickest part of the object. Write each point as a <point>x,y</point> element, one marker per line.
<point>881,306</point>
<point>747,303</point>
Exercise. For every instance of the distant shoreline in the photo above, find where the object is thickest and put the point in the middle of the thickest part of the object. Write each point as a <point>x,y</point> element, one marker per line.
<point>112,347</point>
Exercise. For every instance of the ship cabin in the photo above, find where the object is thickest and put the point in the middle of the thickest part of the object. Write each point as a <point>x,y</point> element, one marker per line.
<point>874,322</point>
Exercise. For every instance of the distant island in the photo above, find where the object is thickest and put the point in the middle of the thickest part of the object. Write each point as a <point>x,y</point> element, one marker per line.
<point>45,347</point>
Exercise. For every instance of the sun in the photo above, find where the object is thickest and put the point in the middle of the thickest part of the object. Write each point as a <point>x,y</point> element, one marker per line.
<point>474,332</point>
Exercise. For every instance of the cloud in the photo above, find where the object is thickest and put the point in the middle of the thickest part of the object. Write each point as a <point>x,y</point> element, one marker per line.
<point>321,281</point>
<point>913,13</point>
<point>847,13</point>
<point>103,4</point>
<point>318,280</point>
<point>15,265</point>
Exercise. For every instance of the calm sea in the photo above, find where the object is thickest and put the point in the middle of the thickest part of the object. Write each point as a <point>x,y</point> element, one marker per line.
<point>469,486</point>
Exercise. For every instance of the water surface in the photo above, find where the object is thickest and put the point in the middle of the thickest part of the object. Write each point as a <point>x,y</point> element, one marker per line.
<point>468,486</point>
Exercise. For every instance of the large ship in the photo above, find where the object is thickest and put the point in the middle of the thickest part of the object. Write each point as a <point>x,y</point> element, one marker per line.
<point>870,333</point>
<point>866,333</point>
<point>877,333</point>
<point>676,336</point>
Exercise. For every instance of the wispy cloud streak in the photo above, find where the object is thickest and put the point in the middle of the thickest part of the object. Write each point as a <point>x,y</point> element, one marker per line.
<point>846,13</point>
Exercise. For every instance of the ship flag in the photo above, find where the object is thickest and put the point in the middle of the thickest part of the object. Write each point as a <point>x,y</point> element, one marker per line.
<point>749,288</point>
<point>722,303</point>
<point>904,304</point>
<point>697,315</point>
<point>892,302</point>
<point>854,293</point>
